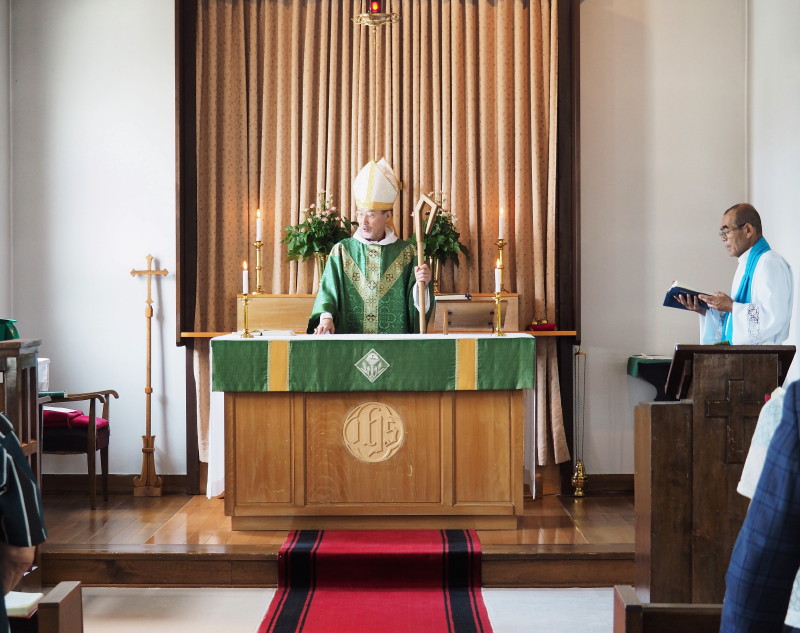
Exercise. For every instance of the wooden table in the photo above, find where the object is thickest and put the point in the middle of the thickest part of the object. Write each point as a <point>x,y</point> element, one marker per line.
<point>427,433</point>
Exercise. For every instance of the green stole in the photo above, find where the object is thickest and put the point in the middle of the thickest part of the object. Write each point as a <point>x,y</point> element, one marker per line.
<point>368,288</point>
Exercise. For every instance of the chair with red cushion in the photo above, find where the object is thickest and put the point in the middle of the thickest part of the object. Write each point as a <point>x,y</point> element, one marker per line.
<point>68,432</point>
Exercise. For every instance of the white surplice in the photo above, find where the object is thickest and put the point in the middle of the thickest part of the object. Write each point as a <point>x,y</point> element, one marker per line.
<point>765,320</point>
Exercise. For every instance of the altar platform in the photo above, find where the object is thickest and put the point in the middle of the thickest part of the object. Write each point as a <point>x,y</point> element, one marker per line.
<point>187,541</point>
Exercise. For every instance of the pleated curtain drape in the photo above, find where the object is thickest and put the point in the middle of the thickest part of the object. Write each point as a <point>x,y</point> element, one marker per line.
<point>293,98</point>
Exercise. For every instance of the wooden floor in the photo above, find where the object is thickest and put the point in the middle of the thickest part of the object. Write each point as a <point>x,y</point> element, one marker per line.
<point>186,541</point>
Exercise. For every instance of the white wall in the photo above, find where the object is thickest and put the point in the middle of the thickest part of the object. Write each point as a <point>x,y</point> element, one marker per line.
<point>6,308</point>
<point>775,132</point>
<point>663,147</point>
<point>93,186</point>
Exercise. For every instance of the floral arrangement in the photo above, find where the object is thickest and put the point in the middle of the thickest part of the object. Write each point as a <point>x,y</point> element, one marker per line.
<point>442,243</point>
<point>322,227</point>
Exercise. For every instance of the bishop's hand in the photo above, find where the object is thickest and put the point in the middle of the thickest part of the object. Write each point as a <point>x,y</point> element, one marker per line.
<point>325,326</point>
<point>422,273</point>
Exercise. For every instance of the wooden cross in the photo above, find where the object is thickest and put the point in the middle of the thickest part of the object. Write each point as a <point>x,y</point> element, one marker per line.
<point>148,484</point>
<point>735,409</point>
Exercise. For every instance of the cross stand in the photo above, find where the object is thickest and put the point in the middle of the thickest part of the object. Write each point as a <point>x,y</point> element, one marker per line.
<point>148,484</point>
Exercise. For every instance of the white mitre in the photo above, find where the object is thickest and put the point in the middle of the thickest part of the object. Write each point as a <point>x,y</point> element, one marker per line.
<point>375,187</point>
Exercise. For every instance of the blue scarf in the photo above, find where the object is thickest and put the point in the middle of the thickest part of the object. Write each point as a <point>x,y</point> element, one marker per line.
<point>745,286</point>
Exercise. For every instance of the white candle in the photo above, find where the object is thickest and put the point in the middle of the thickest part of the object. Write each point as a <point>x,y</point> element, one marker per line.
<point>245,280</point>
<point>498,277</point>
<point>258,225</point>
<point>503,228</point>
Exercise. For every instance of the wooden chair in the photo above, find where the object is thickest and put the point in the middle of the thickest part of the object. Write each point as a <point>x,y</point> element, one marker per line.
<point>633,616</point>
<point>84,436</point>
<point>60,611</point>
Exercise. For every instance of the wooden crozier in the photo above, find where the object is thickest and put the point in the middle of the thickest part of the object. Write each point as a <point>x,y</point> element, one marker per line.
<point>421,288</point>
<point>148,484</point>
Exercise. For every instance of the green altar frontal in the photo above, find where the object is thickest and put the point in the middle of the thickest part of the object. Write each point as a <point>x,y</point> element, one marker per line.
<point>316,364</point>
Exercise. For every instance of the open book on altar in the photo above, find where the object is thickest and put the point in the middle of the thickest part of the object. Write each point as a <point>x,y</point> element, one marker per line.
<point>679,288</point>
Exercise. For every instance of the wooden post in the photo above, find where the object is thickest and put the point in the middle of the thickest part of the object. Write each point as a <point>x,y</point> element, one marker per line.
<point>148,484</point>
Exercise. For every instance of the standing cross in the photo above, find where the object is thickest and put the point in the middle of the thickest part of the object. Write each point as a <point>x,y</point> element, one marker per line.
<point>148,311</point>
<point>148,484</point>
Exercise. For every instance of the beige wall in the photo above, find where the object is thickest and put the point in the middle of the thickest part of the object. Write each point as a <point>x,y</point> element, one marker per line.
<point>774,124</point>
<point>93,180</point>
<point>663,147</point>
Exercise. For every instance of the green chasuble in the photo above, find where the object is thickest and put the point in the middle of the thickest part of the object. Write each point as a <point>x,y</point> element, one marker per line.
<point>368,288</point>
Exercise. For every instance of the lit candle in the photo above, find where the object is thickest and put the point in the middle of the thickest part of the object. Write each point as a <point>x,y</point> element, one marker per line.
<point>258,225</point>
<point>245,280</point>
<point>503,229</point>
<point>498,277</point>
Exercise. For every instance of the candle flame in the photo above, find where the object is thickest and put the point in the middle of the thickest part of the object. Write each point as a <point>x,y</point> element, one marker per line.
<point>244,265</point>
<point>258,213</point>
<point>497,263</point>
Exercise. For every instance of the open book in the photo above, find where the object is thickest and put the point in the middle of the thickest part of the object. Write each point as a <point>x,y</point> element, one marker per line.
<point>22,604</point>
<point>678,288</point>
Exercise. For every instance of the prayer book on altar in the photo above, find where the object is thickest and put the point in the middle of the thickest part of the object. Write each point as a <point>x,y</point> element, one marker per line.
<point>22,604</point>
<point>454,297</point>
<point>678,288</point>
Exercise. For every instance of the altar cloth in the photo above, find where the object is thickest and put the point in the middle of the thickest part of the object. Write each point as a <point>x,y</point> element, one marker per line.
<point>358,362</point>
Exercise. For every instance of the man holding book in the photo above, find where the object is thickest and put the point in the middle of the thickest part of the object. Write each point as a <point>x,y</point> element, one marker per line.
<point>760,308</point>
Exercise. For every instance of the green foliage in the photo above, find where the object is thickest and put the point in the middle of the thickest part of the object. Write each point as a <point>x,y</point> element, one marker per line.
<point>322,227</point>
<point>442,242</point>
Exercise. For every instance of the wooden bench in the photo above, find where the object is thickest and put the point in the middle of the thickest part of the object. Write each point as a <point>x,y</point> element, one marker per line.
<point>633,616</point>
<point>60,611</point>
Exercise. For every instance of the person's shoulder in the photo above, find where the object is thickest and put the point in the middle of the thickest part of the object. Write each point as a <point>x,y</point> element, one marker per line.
<point>346,244</point>
<point>774,256</point>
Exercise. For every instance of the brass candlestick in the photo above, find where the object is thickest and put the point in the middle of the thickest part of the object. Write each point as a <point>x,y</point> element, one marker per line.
<point>247,333</point>
<point>501,243</point>
<point>498,317</point>
<point>579,479</point>
<point>259,288</point>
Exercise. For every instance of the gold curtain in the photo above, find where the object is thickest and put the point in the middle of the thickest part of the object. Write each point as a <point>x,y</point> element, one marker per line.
<point>460,97</point>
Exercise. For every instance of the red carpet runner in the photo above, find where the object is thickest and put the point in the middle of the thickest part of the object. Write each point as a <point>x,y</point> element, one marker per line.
<point>392,581</point>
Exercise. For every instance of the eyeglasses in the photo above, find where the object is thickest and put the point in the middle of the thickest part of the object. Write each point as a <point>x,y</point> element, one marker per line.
<point>725,233</point>
<point>369,215</point>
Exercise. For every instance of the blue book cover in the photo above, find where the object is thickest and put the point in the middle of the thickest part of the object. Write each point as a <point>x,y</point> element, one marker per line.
<point>678,288</point>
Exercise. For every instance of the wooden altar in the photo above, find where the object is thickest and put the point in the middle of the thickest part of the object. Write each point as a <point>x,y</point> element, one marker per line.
<point>394,431</point>
<point>688,461</point>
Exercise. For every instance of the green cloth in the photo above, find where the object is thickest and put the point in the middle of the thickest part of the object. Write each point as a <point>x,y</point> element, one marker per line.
<point>635,361</point>
<point>8,330</point>
<point>354,363</point>
<point>368,288</point>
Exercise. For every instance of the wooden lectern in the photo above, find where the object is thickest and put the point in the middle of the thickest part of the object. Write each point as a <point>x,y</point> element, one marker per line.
<point>688,461</point>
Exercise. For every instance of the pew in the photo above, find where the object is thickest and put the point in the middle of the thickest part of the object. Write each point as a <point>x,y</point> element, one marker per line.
<point>59,611</point>
<point>633,616</point>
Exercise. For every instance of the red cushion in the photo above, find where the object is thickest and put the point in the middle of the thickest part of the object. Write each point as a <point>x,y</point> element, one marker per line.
<point>83,421</point>
<point>60,417</point>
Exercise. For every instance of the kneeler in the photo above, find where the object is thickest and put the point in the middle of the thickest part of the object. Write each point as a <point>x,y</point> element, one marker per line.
<point>69,431</point>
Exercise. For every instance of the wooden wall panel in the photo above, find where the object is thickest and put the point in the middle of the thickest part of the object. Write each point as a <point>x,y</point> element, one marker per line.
<point>412,475</point>
<point>482,434</point>
<point>264,438</point>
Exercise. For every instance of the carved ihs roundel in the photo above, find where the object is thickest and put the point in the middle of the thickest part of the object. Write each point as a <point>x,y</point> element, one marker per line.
<point>373,432</point>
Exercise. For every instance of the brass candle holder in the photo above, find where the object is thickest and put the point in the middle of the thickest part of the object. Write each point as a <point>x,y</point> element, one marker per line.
<point>259,288</point>
<point>498,314</point>
<point>501,243</point>
<point>579,478</point>
<point>246,333</point>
